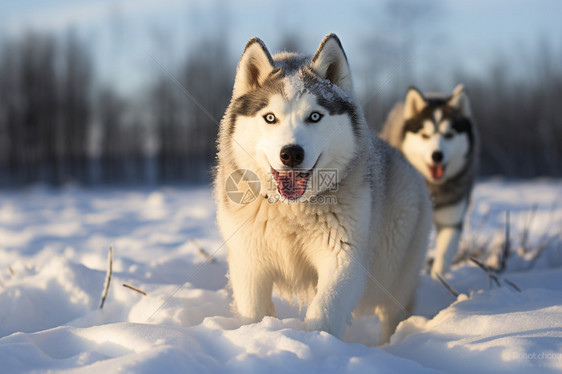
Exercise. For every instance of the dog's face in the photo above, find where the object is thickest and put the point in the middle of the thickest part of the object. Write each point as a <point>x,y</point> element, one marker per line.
<point>437,134</point>
<point>293,118</point>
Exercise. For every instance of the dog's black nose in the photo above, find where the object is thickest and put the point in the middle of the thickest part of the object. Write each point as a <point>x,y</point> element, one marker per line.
<point>437,156</point>
<point>292,155</point>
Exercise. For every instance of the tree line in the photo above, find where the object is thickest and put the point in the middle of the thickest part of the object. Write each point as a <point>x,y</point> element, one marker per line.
<point>58,124</point>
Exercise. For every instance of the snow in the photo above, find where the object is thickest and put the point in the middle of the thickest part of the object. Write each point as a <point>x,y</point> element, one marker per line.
<point>53,258</point>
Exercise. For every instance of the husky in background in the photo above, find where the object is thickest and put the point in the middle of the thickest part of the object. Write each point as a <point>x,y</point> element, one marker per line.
<point>436,135</point>
<point>355,244</point>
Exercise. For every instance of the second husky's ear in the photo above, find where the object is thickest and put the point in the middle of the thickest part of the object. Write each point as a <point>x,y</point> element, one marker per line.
<point>255,65</point>
<point>459,100</point>
<point>330,63</point>
<point>414,103</point>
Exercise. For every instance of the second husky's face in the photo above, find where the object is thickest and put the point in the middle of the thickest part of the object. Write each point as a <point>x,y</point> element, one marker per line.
<point>296,123</point>
<point>437,134</point>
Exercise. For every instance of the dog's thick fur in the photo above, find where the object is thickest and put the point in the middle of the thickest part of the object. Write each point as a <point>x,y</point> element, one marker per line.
<point>362,253</point>
<point>428,124</point>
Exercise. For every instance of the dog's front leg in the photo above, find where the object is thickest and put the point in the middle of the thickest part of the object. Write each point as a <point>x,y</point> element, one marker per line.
<point>252,287</point>
<point>447,244</point>
<point>449,230</point>
<point>341,282</point>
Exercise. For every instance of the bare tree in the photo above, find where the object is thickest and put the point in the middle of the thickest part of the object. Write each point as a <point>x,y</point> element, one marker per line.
<point>29,101</point>
<point>75,107</point>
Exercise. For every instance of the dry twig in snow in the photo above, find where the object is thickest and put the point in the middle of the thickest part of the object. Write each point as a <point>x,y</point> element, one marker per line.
<point>488,271</point>
<point>107,276</point>
<point>505,249</point>
<point>203,252</point>
<point>134,289</point>
<point>447,286</point>
<point>524,246</point>
<point>513,285</point>
<point>541,247</point>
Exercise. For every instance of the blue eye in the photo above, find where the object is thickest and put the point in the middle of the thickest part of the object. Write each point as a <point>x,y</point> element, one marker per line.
<point>314,117</point>
<point>270,118</point>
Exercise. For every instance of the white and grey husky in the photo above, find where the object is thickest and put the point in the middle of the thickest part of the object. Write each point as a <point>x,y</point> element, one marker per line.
<point>311,205</point>
<point>435,133</point>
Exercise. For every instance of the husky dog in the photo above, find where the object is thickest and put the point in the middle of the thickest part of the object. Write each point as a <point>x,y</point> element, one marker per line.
<point>354,243</point>
<point>435,133</point>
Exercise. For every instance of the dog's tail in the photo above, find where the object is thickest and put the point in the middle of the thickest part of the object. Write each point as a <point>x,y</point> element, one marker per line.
<point>393,127</point>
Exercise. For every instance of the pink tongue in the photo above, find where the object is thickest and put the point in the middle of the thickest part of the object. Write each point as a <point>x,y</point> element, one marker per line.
<point>291,185</point>
<point>437,171</point>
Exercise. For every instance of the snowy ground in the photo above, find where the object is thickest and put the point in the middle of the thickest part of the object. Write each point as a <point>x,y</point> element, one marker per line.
<point>53,259</point>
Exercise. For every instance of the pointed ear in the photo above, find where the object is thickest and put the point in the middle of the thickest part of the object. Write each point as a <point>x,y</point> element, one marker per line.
<point>329,62</point>
<point>255,65</point>
<point>414,103</point>
<point>459,100</point>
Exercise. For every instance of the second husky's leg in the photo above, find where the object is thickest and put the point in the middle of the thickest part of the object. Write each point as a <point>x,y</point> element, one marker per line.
<point>448,220</point>
<point>447,243</point>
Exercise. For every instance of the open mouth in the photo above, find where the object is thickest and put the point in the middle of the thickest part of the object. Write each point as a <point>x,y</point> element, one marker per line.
<point>437,171</point>
<point>291,184</point>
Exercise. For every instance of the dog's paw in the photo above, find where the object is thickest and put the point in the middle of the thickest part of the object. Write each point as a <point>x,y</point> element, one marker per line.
<point>318,324</point>
<point>439,268</point>
<point>324,322</point>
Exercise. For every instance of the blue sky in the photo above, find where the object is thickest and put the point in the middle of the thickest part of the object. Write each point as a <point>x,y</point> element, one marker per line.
<point>456,34</point>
